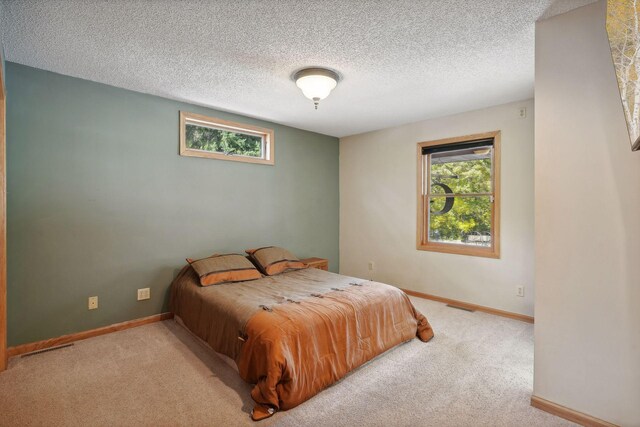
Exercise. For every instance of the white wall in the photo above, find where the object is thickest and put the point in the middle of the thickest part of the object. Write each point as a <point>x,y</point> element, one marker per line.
<point>587,306</point>
<point>378,211</point>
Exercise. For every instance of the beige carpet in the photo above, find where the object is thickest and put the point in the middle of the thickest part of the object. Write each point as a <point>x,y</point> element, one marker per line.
<point>477,371</point>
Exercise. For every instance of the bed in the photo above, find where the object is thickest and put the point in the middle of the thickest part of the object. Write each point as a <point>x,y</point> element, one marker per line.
<point>296,333</point>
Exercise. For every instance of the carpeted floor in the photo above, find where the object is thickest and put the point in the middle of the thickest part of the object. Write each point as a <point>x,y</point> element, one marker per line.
<point>477,371</point>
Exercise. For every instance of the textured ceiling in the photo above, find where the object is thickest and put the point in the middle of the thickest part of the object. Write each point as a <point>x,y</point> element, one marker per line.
<point>401,60</point>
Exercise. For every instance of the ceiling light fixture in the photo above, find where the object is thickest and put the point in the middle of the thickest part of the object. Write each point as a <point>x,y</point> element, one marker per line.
<point>316,83</point>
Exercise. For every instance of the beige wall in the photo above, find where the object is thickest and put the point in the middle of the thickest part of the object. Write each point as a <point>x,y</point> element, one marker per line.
<point>587,306</point>
<point>378,211</point>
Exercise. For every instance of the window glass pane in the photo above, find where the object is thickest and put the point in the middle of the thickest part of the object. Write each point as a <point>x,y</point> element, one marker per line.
<point>222,141</point>
<point>461,171</point>
<point>461,220</point>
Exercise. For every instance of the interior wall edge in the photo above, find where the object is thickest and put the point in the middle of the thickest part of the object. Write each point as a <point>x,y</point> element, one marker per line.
<point>568,414</point>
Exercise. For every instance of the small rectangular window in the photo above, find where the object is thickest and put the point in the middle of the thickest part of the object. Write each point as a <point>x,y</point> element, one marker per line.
<point>458,195</point>
<point>202,136</point>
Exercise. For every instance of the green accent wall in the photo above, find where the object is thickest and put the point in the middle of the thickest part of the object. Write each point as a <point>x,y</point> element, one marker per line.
<point>100,203</point>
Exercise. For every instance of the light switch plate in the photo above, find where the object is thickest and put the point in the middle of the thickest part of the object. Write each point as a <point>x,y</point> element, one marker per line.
<point>93,303</point>
<point>144,293</point>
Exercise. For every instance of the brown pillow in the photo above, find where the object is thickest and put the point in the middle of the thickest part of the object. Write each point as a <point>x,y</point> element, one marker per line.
<point>224,268</point>
<point>272,260</point>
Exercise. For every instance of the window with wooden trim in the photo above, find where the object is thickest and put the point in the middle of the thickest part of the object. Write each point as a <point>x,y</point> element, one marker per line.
<point>202,136</point>
<point>459,195</point>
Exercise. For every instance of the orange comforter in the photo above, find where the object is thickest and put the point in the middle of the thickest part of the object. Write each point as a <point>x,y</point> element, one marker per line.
<point>299,332</point>
<point>296,350</point>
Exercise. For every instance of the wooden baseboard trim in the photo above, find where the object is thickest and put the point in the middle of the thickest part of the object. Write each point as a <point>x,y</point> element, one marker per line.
<point>495,311</point>
<point>66,339</point>
<point>568,414</point>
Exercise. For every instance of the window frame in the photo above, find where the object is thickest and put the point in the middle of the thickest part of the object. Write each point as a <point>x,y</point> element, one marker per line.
<point>423,171</point>
<point>268,141</point>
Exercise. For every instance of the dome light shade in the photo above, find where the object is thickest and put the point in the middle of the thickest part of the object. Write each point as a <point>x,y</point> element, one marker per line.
<point>316,83</point>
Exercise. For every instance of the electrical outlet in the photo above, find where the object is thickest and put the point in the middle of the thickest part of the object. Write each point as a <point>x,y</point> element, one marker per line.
<point>370,265</point>
<point>93,303</point>
<point>520,291</point>
<point>522,113</point>
<point>144,293</point>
